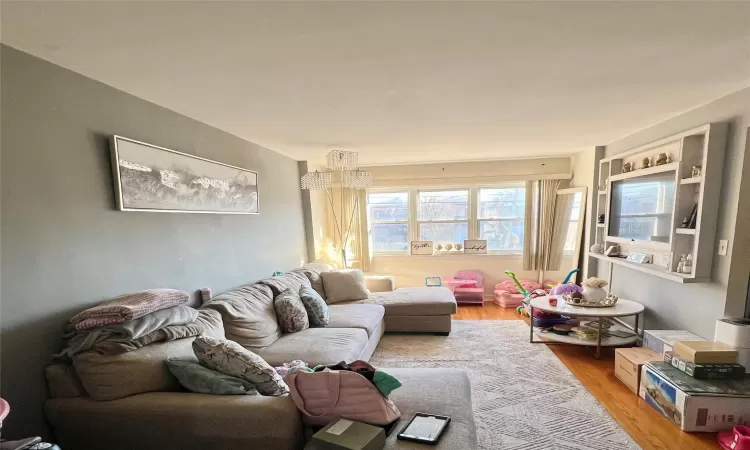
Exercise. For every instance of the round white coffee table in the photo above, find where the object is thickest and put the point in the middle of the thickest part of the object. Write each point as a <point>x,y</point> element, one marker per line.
<point>622,308</point>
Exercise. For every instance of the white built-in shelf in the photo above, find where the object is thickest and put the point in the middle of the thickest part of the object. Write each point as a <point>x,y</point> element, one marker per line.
<point>604,192</point>
<point>600,225</point>
<point>651,269</point>
<point>669,167</point>
<point>693,180</point>
<point>685,231</point>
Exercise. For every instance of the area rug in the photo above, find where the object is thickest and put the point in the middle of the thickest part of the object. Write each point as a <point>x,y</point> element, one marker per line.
<point>524,397</point>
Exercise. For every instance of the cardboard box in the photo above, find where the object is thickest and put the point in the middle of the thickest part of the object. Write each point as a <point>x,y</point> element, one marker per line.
<point>695,405</point>
<point>705,352</point>
<point>628,362</point>
<point>344,434</point>
<point>705,371</point>
<point>662,341</point>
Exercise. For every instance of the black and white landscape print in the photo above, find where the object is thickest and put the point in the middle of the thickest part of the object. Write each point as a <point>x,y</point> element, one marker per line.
<point>157,179</point>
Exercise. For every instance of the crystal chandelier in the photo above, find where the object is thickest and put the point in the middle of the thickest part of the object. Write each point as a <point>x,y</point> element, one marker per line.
<point>342,169</point>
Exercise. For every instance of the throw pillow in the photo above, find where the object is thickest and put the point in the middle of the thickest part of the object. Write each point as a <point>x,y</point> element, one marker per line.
<point>344,285</point>
<point>317,309</point>
<point>197,378</point>
<point>290,312</point>
<point>232,359</point>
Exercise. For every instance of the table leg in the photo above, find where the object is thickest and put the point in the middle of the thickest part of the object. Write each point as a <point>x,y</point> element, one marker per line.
<point>599,339</point>
<point>636,325</point>
<point>531,325</point>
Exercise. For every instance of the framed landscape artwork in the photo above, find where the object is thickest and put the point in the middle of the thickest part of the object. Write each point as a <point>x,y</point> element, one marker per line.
<point>152,178</point>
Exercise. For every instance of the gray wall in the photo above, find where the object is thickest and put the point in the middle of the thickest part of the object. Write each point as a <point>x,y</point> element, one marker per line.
<point>65,247</point>
<point>695,307</point>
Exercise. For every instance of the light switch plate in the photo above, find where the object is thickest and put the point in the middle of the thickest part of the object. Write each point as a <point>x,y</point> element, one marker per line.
<point>723,244</point>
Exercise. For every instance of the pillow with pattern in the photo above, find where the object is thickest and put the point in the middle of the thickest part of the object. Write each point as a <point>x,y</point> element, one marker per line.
<point>232,359</point>
<point>197,378</point>
<point>317,308</point>
<point>290,312</point>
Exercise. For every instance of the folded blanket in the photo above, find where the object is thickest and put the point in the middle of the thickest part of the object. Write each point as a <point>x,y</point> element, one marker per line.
<point>128,307</point>
<point>171,333</point>
<point>83,340</point>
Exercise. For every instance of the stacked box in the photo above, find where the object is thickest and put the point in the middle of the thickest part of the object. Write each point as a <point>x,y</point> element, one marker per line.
<point>694,404</point>
<point>662,341</point>
<point>705,371</point>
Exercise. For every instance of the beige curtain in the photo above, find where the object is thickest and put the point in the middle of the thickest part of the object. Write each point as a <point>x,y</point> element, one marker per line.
<point>540,229</point>
<point>350,213</point>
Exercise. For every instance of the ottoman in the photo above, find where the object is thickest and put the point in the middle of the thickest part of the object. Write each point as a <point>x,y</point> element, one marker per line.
<point>419,309</point>
<point>445,392</point>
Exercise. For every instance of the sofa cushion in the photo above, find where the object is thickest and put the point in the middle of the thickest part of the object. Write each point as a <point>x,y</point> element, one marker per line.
<point>291,312</point>
<point>196,378</point>
<point>366,317</point>
<point>290,280</point>
<point>317,310</point>
<point>248,314</point>
<point>108,377</point>
<point>232,359</point>
<point>317,346</point>
<point>422,301</point>
<point>312,271</point>
<point>344,285</point>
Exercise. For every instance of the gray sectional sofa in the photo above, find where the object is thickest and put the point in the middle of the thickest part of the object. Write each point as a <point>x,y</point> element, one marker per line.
<point>132,401</point>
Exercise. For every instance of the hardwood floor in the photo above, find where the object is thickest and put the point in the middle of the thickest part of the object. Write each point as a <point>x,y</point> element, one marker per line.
<point>646,426</point>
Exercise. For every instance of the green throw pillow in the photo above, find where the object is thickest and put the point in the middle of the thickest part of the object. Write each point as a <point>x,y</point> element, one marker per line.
<point>197,378</point>
<point>316,307</point>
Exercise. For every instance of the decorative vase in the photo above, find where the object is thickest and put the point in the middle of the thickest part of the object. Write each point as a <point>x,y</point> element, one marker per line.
<point>594,293</point>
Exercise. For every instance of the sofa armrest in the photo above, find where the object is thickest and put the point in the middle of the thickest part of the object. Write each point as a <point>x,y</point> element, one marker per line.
<point>177,420</point>
<point>380,283</point>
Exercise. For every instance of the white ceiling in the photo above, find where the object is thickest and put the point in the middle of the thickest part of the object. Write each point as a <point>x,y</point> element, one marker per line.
<point>403,82</point>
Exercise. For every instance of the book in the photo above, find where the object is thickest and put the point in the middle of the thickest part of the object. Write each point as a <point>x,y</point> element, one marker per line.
<point>705,371</point>
<point>736,387</point>
<point>705,352</point>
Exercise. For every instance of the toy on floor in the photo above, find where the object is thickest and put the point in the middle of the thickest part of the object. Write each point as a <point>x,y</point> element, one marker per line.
<point>507,295</point>
<point>566,287</point>
<point>528,295</point>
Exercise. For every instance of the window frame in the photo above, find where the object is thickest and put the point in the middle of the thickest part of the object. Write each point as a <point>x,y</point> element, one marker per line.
<point>370,222</point>
<point>472,220</point>
<point>478,230</point>
<point>418,204</point>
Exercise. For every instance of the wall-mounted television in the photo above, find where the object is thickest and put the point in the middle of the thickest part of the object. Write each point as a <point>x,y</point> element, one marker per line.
<point>641,208</point>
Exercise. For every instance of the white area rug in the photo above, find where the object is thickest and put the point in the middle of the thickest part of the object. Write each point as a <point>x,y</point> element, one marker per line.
<point>524,397</point>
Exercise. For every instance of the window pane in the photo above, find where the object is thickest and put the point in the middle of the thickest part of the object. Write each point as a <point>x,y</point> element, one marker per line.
<point>502,234</point>
<point>444,205</point>
<point>389,238</point>
<point>389,207</point>
<point>444,233</point>
<point>498,203</point>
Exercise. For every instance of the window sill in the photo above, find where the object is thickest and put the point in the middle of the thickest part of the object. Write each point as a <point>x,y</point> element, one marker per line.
<point>448,256</point>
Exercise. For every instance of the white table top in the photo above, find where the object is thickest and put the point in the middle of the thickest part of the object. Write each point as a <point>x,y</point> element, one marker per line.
<point>621,308</point>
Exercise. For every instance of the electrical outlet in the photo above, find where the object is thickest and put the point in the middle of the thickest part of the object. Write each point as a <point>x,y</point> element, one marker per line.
<point>723,244</point>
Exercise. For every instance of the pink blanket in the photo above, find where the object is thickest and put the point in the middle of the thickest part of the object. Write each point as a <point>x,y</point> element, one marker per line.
<point>128,307</point>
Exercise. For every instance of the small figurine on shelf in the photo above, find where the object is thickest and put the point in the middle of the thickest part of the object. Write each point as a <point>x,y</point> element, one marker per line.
<point>600,219</point>
<point>449,247</point>
<point>439,247</point>
<point>627,167</point>
<point>681,264</point>
<point>662,159</point>
<point>645,164</point>
<point>696,172</point>
<point>687,267</point>
<point>459,247</point>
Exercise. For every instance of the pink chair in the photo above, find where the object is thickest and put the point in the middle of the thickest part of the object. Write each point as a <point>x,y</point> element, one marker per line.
<point>470,293</point>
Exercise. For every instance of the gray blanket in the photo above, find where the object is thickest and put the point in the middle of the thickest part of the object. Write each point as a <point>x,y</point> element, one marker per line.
<point>134,332</point>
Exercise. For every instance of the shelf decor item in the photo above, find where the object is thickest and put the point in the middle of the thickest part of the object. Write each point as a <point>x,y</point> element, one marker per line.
<point>475,246</point>
<point>574,300</point>
<point>459,247</point>
<point>593,289</point>
<point>662,159</point>
<point>449,247</point>
<point>421,247</point>
<point>696,172</point>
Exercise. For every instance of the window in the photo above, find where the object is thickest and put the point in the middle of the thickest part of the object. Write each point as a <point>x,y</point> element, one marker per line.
<point>389,221</point>
<point>572,233</point>
<point>500,217</point>
<point>443,216</point>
